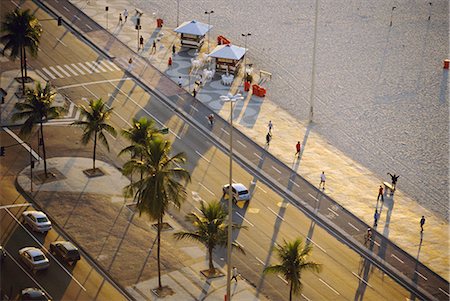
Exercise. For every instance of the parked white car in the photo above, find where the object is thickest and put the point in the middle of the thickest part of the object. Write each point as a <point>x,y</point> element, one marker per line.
<point>34,258</point>
<point>240,192</point>
<point>37,220</point>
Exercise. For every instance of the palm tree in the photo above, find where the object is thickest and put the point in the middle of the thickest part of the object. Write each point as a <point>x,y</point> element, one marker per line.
<point>293,256</point>
<point>160,184</point>
<point>37,108</point>
<point>22,32</point>
<point>97,115</point>
<point>211,229</point>
<point>138,135</point>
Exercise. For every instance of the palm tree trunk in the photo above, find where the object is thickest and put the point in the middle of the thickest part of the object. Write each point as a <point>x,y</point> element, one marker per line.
<point>43,150</point>
<point>211,264</point>
<point>95,147</point>
<point>290,291</point>
<point>25,62</point>
<point>21,69</point>
<point>158,251</point>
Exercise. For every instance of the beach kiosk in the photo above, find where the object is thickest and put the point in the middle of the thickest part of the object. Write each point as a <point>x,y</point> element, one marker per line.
<point>192,33</point>
<point>228,57</point>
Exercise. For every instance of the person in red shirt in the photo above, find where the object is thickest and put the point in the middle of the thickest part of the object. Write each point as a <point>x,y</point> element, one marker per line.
<point>380,194</point>
<point>298,147</point>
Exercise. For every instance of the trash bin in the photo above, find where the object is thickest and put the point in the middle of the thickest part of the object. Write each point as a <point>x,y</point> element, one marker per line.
<point>446,64</point>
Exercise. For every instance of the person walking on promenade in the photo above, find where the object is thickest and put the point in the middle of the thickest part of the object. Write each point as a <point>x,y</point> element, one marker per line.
<point>173,49</point>
<point>125,14</point>
<point>210,119</point>
<point>270,126</point>
<point>120,19</point>
<point>376,215</point>
<point>268,138</point>
<point>394,179</point>
<point>130,64</point>
<point>153,47</point>
<point>194,92</point>
<point>141,42</point>
<point>422,222</point>
<point>368,236</point>
<point>235,274</point>
<point>169,62</point>
<point>322,180</point>
<point>380,194</point>
<point>298,148</point>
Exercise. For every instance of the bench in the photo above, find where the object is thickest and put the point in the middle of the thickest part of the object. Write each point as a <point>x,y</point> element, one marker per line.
<point>139,12</point>
<point>389,186</point>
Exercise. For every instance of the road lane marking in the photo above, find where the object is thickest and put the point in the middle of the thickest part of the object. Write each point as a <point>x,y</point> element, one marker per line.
<point>314,243</point>
<point>193,108</point>
<point>39,73</point>
<point>257,186</point>
<point>425,278</point>
<point>56,71</point>
<point>262,262</point>
<point>351,225</point>
<point>335,291</point>
<point>64,71</point>
<point>207,189</point>
<point>444,292</point>
<point>306,297</point>
<point>331,210</point>
<point>85,68</point>
<point>239,244</point>
<point>284,280</point>
<point>225,131</point>
<point>76,17</point>
<point>71,70</point>
<point>49,73</point>
<point>276,169</point>
<point>99,66</point>
<point>20,141</point>
<point>61,42</point>
<point>114,65</point>
<point>88,26</point>
<point>243,145</point>
<point>17,5</point>
<point>15,205</point>
<point>357,276</point>
<point>78,69</point>
<point>66,8</point>
<point>316,199</point>
<point>237,213</point>
<point>92,67</point>
<point>375,242</point>
<point>259,157</point>
<point>203,157</point>
<point>275,213</point>
<point>104,64</point>
<point>294,183</point>
<point>48,252</point>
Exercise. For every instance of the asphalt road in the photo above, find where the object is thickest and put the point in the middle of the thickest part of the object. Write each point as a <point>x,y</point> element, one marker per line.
<point>279,196</point>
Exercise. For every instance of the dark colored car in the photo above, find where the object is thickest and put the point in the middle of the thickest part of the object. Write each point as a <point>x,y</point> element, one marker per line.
<point>33,294</point>
<point>66,250</point>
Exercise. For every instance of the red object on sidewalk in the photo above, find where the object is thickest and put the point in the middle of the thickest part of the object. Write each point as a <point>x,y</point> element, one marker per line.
<point>446,64</point>
<point>258,91</point>
<point>221,40</point>
<point>246,86</point>
<point>170,61</point>
<point>159,23</point>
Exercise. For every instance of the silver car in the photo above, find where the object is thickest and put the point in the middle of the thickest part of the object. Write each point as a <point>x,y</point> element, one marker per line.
<point>34,258</point>
<point>240,192</point>
<point>37,220</point>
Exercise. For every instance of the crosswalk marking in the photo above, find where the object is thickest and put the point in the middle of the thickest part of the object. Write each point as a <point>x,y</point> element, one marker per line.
<point>55,71</point>
<point>71,70</point>
<point>41,75</point>
<point>92,67</point>
<point>99,66</point>
<point>104,64</point>
<point>49,73</point>
<point>114,65</point>
<point>64,71</point>
<point>78,69</point>
<point>85,68</point>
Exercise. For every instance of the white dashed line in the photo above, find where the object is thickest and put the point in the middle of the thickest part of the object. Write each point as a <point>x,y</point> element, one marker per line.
<point>62,42</point>
<point>88,27</point>
<point>56,71</point>
<point>225,131</point>
<point>243,145</point>
<point>78,69</point>
<point>257,186</point>
<point>64,71</point>
<point>367,283</point>
<point>393,255</point>
<point>66,8</point>
<point>444,292</point>
<point>323,250</point>
<point>76,17</point>
<point>316,199</point>
<point>259,157</point>
<point>375,242</point>
<point>275,213</point>
<point>276,169</point>
<point>262,262</point>
<point>193,108</point>
<point>294,183</point>
<point>335,291</point>
<point>351,225</point>
<point>425,278</point>
<point>15,205</point>
<point>306,297</point>
<point>207,189</point>
<point>238,214</point>
<point>202,157</point>
<point>17,5</point>
<point>284,280</point>
<point>332,211</point>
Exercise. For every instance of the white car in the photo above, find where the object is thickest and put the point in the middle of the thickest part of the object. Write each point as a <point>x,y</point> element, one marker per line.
<point>240,192</point>
<point>37,220</point>
<point>34,258</point>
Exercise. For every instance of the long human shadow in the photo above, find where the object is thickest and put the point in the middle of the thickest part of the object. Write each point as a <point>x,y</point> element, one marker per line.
<point>364,272</point>
<point>416,273</point>
<point>443,94</point>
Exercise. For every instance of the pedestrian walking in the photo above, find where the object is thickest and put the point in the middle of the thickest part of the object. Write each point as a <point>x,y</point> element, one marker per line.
<point>130,64</point>
<point>322,180</point>
<point>180,81</point>
<point>169,62</point>
<point>394,179</point>
<point>120,19</point>
<point>368,236</point>
<point>154,46</point>
<point>125,14</point>
<point>211,119</point>
<point>376,215</point>
<point>270,126</point>
<point>422,222</point>
<point>141,42</point>
<point>173,49</point>
<point>298,148</point>
<point>380,194</point>
<point>268,138</point>
<point>235,274</point>
<point>194,92</point>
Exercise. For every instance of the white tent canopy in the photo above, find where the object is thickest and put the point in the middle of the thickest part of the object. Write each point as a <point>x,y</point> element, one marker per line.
<point>228,51</point>
<point>193,27</point>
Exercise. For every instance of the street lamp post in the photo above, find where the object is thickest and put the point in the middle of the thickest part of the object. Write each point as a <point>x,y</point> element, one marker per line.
<point>178,11</point>
<point>313,72</point>
<point>245,46</point>
<point>106,10</point>
<point>209,25</point>
<point>230,98</point>
<point>392,13</point>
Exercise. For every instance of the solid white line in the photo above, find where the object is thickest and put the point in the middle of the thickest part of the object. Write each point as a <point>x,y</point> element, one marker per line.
<point>66,8</point>
<point>276,169</point>
<point>421,275</point>
<point>194,108</point>
<point>337,293</point>
<point>85,68</point>
<point>375,242</point>
<point>99,66</point>
<point>245,219</point>
<point>49,73</point>
<point>444,292</point>
<point>203,157</point>
<point>306,297</point>
<point>71,70</point>
<point>15,137</point>
<point>316,199</point>
<point>351,225</point>
<point>47,251</point>
<point>78,69</point>
<point>275,213</point>
<point>104,64</point>
<point>262,262</point>
<point>75,16</point>
<point>207,189</point>
<point>284,280</point>
<point>314,243</point>
<point>17,5</point>
<point>15,205</point>
<point>329,209</point>
<point>294,183</point>
<point>41,75</point>
<point>114,65</point>
<point>62,42</point>
<point>257,186</point>
<point>259,157</point>
<point>241,143</point>
<point>225,131</point>
<point>357,276</point>
<point>393,255</point>
<point>64,71</point>
<point>56,71</point>
<point>88,27</point>
<point>239,244</point>
<point>92,83</point>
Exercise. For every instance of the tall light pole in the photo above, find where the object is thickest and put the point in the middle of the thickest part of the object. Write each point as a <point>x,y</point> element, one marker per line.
<point>392,13</point>
<point>313,72</point>
<point>106,10</point>
<point>230,98</point>
<point>245,46</point>
<point>178,11</point>
<point>209,25</point>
